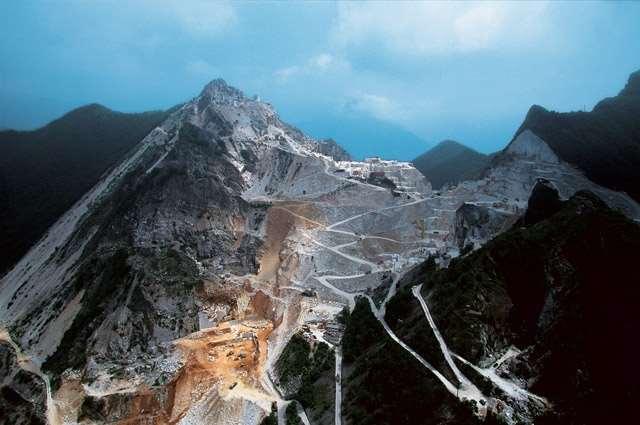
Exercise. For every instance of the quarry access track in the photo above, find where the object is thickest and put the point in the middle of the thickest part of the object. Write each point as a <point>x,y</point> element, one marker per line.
<point>350,297</point>
<point>27,364</point>
<point>509,387</point>
<point>466,390</point>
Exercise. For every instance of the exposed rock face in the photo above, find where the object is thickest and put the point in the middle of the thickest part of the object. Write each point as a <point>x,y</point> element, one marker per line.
<point>330,148</point>
<point>477,223</point>
<point>492,204</point>
<point>529,145</point>
<point>122,275</point>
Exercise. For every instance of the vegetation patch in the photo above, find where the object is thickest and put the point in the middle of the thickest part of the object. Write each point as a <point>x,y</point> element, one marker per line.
<point>291,414</point>
<point>361,332</point>
<point>308,369</point>
<point>386,385</point>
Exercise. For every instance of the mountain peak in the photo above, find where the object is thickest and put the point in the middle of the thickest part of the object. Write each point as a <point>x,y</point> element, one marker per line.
<point>450,147</point>
<point>632,88</point>
<point>91,108</point>
<point>536,110</point>
<point>88,112</point>
<point>219,91</point>
<point>450,162</point>
<point>451,143</point>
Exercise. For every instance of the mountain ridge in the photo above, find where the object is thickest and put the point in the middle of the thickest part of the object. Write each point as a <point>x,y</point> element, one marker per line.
<point>44,171</point>
<point>604,143</point>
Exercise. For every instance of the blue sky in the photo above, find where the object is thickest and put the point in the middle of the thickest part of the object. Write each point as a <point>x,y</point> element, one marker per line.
<point>378,77</point>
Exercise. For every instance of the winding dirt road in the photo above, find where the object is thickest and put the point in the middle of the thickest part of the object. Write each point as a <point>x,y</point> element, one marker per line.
<point>25,363</point>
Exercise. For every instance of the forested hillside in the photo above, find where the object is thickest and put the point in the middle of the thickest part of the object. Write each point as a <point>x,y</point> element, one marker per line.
<point>43,172</point>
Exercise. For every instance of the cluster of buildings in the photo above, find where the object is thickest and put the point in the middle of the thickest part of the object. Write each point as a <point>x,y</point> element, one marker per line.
<point>403,174</point>
<point>371,167</point>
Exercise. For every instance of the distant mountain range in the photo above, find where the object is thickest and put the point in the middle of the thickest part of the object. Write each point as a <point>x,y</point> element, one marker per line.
<point>43,172</point>
<point>450,162</point>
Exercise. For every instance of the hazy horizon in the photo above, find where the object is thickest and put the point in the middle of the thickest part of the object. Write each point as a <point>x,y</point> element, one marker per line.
<point>354,72</point>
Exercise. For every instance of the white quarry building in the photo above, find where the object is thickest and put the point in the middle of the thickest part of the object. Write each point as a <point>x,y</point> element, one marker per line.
<point>403,174</point>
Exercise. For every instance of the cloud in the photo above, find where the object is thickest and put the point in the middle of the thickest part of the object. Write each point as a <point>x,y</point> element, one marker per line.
<point>378,106</point>
<point>154,19</point>
<point>320,64</point>
<point>201,68</point>
<point>427,28</point>
<point>478,27</point>
<point>284,74</point>
<point>200,18</point>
